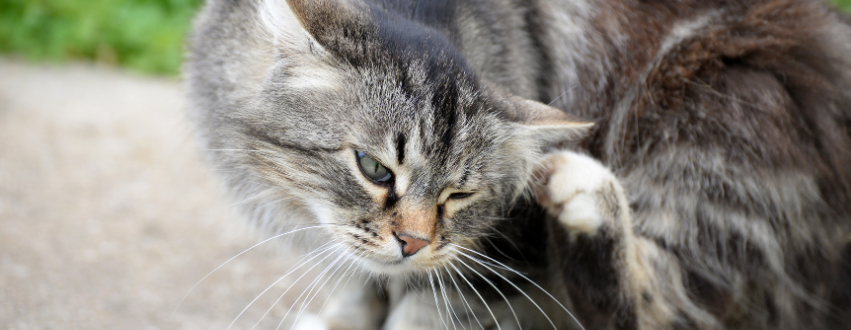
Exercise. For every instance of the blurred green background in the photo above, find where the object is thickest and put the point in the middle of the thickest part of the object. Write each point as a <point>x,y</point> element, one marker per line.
<point>142,35</point>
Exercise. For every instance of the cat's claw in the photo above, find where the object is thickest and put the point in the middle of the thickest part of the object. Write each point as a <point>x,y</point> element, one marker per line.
<point>573,187</point>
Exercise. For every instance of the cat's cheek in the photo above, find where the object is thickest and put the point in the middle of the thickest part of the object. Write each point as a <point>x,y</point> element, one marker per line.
<point>322,213</point>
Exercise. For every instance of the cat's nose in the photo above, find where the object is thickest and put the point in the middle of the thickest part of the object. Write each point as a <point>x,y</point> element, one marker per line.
<point>410,245</point>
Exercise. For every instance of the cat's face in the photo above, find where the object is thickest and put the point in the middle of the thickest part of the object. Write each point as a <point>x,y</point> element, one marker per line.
<point>399,149</point>
<point>404,167</point>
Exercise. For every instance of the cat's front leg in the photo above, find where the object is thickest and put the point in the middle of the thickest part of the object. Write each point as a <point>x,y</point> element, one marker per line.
<point>583,195</point>
<point>414,311</point>
<point>354,306</point>
<point>605,268</point>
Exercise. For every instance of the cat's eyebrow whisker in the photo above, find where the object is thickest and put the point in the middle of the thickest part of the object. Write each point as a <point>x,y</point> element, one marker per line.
<point>241,253</point>
<point>436,303</point>
<point>494,287</point>
<point>281,278</point>
<point>464,299</point>
<point>514,285</point>
<point>478,294</point>
<point>446,301</point>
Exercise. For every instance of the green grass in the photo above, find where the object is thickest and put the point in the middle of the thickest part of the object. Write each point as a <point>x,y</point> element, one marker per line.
<point>142,35</point>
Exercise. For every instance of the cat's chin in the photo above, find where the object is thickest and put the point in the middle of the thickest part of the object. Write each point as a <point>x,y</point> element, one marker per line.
<point>399,267</point>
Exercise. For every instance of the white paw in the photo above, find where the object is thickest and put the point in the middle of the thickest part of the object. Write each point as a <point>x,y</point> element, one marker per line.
<point>571,190</point>
<point>308,321</point>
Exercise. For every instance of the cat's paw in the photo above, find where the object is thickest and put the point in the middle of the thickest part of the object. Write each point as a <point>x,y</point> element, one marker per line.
<point>308,321</point>
<point>579,191</point>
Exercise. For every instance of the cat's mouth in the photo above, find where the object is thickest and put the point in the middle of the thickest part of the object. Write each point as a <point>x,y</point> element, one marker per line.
<point>398,265</point>
<point>389,267</point>
<point>392,263</point>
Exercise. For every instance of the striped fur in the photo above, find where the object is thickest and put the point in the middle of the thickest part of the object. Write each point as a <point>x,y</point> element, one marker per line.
<point>726,126</point>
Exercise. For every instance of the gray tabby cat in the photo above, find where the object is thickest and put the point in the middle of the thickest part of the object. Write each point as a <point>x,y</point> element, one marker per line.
<point>713,190</point>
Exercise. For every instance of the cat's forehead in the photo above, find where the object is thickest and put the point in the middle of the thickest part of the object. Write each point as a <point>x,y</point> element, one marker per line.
<point>414,98</point>
<point>390,77</point>
<point>441,130</point>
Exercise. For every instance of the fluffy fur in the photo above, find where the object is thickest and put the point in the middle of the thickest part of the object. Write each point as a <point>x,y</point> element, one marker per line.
<point>720,196</point>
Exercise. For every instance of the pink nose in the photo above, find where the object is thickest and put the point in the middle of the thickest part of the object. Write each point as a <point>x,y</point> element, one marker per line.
<point>411,245</point>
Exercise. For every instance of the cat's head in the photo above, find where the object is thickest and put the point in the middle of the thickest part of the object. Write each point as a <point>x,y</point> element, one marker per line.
<point>380,130</point>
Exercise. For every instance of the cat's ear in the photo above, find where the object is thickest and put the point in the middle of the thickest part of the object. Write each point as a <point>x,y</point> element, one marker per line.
<point>547,125</point>
<point>310,25</point>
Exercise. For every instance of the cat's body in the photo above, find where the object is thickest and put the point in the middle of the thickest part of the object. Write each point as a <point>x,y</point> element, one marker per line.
<point>728,124</point>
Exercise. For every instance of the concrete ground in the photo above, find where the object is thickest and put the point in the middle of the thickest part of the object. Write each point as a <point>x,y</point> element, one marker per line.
<point>108,216</point>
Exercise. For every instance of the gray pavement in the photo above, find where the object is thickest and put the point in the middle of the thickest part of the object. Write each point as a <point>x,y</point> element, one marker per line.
<point>108,216</point>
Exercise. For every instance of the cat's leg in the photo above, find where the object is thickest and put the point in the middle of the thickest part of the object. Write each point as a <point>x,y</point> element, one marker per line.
<point>612,276</point>
<point>354,306</point>
<point>414,311</point>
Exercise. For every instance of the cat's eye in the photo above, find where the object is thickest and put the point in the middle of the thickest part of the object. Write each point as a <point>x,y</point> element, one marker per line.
<point>460,195</point>
<point>372,169</point>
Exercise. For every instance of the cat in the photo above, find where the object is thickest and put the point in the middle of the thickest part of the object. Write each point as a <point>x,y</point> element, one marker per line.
<point>506,164</point>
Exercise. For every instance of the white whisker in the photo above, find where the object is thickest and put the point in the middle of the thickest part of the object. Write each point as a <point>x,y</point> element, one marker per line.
<point>478,294</point>
<point>495,288</point>
<point>446,301</point>
<point>348,279</point>
<point>330,276</point>
<point>313,286</point>
<point>436,303</point>
<point>464,299</point>
<point>296,281</point>
<point>280,279</point>
<point>339,247</point>
<point>239,254</point>
<point>514,285</point>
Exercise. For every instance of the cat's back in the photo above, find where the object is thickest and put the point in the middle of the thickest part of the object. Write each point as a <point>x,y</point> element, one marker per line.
<point>730,124</point>
<point>767,82</point>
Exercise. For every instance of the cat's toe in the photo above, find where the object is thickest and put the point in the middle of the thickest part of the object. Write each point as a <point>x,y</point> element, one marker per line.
<point>571,190</point>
